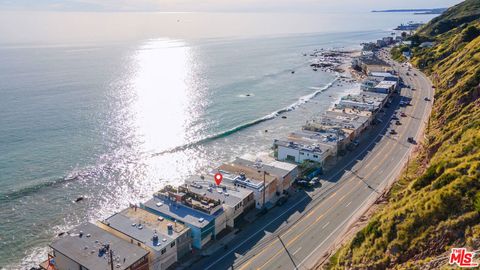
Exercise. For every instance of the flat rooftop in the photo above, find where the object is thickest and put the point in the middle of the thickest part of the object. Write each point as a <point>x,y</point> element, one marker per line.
<point>352,111</point>
<point>385,84</point>
<point>253,175</point>
<point>230,196</point>
<point>179,212</point>
<point>382,74</point>
<point>279,170</point>
<point>306,147</point>
<point>85,250</point>
<point>161,225</point>
<point>138,230</point>
<point>321,137</point>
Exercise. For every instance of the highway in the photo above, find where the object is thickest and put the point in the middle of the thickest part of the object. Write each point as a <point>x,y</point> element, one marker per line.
<point>347,191</point>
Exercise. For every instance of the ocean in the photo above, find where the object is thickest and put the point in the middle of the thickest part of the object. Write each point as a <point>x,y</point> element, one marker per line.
<point>113,120</point>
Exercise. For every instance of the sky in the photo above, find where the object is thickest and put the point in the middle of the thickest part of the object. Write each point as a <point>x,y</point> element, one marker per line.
<point>218,5</point>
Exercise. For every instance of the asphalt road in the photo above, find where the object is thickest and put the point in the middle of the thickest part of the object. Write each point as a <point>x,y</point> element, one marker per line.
<point>349,189</point>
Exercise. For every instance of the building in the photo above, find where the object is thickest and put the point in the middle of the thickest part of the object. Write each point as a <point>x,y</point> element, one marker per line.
<point>286,172</point>
<point>162,248</point>
<point>388,40</point>
<point>370,64</point>
<point>235,201</point>
<point>304,145</point>
<point>165,240</point>
<point>261,183</point>
<point>205,217</point>
<point>381,43</point>
<point>366,101</point>
<point>385,87</point>
<point>352,123</point>
<point>383,76</point>
<point>88,247</point>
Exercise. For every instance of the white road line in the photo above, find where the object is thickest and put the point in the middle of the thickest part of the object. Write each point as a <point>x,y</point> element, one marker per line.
<point>297,251</point>
<point>326,224</point>
<point>348,204</point>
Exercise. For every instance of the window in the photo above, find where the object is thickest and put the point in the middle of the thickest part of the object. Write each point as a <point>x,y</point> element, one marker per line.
<point>164,250</point>
<point>172,244</point>
<point>302,154</point>
<point>315,156</point>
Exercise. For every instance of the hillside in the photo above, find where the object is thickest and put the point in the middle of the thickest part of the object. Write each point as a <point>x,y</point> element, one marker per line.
<point>436,205</point>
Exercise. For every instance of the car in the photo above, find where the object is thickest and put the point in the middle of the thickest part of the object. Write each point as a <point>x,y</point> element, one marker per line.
<point>356,142</point>
<point>414,74</point>
<point>395,117</point>
<point>413,89</point>
<point>282,200</point>
<point>398,123</point>
<point>302,183</point>
<point>403,114</point>
<point>315,181</point>
<point>426,99</point>
<point>410,140</point>
<point>392,131</point>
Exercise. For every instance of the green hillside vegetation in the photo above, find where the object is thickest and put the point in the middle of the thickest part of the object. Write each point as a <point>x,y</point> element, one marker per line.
<point>435,205</point>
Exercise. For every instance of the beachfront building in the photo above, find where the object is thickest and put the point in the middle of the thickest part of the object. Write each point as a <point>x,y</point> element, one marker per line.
<point>261,183</point>
<point>366,101</point>
<point>89,247</point>
<point>161,247</point>
<point>385,87</point>
<point>235,201</point>
<point>383,76</point>
<point>205,217</point>
<point>286,172</point>
<point>370,63</point>
<point>165,240</point>
<point>306,145</point>
<point>351,124</point>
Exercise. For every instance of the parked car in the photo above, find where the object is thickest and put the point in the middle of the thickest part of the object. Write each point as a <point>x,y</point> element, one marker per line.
<point>410,140</point>
<point>403,114</point>
<point>398,123</point>
<point>356,142</point>
<point>282,200</point>
<point>302,182</point>
<point>395,117</point>
<point>426,99</point>
<point>392,131</point>
<point>315,181</point>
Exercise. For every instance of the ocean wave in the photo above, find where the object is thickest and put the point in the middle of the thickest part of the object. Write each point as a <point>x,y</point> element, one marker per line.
<point>24,191</point>
<point>273,115</point>
<point>89,172</point>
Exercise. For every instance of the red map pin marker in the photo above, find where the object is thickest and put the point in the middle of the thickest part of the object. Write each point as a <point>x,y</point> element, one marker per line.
<point>218,178</point>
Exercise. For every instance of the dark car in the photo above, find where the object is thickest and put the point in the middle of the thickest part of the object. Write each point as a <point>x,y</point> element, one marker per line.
<point>403,114</point>
<point>282,200</point>
<point>410,140</point>
<point>303,183</point>
<point>426,99</point>
<point>398,123</point>
<point>392,131</point>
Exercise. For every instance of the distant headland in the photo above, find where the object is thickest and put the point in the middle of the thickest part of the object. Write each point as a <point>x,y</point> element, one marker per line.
<point>420,11</point>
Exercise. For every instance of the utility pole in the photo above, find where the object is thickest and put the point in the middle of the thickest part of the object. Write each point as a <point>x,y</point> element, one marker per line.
<point>290,256</point>
<point>111,259</point>
<point>264,187</point>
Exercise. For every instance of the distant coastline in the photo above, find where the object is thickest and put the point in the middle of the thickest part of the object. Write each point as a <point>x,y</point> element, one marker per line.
<point>415,11</point>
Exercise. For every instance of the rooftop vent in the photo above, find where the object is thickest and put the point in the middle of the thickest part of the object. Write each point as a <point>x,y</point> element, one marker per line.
<point>159,204</point>
<point>201,220</point>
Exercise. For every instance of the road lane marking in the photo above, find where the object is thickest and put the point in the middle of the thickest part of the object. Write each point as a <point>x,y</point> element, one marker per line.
<point>297,251</point>
<point>348,204</point>
<point>326,224</point>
